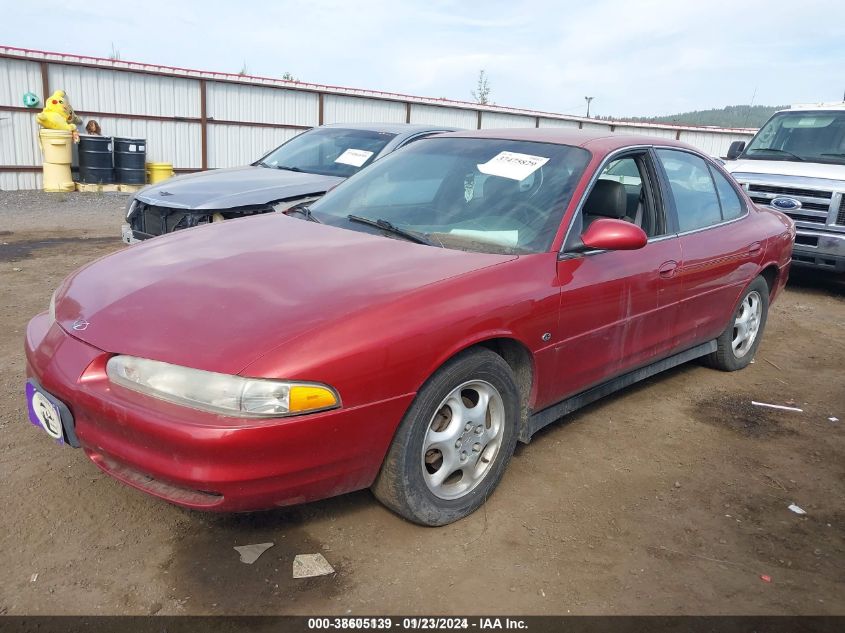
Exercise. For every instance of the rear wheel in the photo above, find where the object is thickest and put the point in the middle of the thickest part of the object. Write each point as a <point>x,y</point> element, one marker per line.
<point>738,343</point>
<point>454,443</point>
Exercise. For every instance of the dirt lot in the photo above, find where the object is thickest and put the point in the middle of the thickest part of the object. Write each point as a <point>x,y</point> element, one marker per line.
<point>669,498</point>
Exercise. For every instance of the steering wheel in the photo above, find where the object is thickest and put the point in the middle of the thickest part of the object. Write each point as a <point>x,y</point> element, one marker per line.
<point>529,213</point>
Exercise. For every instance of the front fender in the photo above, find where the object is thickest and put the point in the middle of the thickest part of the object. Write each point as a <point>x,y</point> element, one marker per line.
<point>390,350</point>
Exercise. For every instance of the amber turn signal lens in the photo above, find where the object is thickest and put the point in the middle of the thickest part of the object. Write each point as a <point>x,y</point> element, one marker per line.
<point>310,397</point>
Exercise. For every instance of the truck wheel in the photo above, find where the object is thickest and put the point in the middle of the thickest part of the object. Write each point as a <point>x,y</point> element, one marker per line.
<point>738,343</point>
<point>454,443</point>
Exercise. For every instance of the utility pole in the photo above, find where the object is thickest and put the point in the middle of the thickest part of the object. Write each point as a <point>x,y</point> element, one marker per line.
<point>588,105</point>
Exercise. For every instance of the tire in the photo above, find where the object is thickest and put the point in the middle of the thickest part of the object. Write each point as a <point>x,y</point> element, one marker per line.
<point>451,449</point>
<point>751,312</point>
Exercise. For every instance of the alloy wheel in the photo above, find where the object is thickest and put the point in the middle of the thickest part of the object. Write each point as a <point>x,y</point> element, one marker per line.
<point>747,324</point>
<point>463,439</point>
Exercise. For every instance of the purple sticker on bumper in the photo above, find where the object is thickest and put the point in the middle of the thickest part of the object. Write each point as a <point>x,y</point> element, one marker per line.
<point>43,413</point>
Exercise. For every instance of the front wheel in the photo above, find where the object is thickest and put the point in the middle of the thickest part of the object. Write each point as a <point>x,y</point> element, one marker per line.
<point>737,345</point>
<point>454,443</point>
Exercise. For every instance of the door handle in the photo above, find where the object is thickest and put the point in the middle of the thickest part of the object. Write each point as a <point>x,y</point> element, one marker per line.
<point>667,269</point>
<point>754,248</point>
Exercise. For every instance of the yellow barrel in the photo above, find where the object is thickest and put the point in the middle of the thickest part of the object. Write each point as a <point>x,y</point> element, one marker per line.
<point>57,177</point>
<point>156,172</point>
<point>56,146</point>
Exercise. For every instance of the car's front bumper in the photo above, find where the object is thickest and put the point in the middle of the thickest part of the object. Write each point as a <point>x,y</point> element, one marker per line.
<point>202,460</point>
<point>128,235</point>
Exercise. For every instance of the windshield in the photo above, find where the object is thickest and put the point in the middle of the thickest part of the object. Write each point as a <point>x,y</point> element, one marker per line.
<point>483,195</point>
<point>329,151</point>
<point>817,136</point>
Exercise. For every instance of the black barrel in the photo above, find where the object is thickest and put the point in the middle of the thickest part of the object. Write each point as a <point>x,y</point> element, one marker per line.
<point>95,159</point>
<point>130,156</point>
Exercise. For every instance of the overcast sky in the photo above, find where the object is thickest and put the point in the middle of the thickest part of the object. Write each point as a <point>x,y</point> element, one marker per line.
<point>637,58</point>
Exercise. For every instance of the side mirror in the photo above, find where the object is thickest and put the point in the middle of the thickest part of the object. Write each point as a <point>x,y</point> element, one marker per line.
<point>606,234</point>
<point>735,150</point>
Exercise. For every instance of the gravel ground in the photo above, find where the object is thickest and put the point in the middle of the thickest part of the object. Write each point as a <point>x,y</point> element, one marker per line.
<point>668,498</point>
<point>87,213</point>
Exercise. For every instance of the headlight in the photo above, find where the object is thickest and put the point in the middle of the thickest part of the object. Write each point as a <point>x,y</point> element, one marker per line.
<point>130,207</point>
<point>220,393</point>
<point>53,306</point>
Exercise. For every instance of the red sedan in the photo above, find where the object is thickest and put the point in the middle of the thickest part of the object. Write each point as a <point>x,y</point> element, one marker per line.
<point>405,331</point>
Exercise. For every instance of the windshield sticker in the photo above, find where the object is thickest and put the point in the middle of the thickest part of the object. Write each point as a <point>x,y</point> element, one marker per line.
<point>504,238</point>
<point>469,187</point>
<point>512,165</point>
<point>354,157</point>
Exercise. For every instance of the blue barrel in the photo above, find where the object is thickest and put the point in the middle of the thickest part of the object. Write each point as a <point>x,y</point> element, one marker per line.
<point>130,157</point>
<point>95,159</point>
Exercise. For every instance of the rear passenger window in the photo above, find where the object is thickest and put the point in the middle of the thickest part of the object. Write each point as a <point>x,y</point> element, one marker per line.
<point>731,204</point>
<point>692,188</point>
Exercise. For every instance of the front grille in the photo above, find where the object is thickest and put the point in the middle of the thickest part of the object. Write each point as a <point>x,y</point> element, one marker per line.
<point>153,220</point>
<point>797,215</point>
<point>807,240</point>
<point>805,204</point>
<point>810,199</point>
<point>803,217</point>
<point>815,206</point>
<point>840,218</point>
<point>791,191</point>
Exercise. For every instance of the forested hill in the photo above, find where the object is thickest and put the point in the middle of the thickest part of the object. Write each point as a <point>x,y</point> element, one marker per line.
<point>729,116</point>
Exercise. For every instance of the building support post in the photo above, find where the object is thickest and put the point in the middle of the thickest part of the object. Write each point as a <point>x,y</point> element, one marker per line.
<point>203,127</point>
<point>45,82</point>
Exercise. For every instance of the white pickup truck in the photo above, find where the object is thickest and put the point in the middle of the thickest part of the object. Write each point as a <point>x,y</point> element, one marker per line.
<point>796,164</point>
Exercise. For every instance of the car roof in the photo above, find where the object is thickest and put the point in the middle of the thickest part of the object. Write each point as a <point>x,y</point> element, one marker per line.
<point>815,107</point>
<point>594,140</point>
<point>393,128</point>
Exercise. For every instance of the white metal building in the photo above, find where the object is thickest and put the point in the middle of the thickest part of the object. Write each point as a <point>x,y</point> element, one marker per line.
<point>204,120</point>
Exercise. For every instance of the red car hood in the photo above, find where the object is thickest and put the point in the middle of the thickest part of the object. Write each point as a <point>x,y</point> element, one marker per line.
<point>218,297</point>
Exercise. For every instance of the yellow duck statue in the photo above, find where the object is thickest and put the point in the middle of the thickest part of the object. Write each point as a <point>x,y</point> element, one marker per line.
<point>58,114</point>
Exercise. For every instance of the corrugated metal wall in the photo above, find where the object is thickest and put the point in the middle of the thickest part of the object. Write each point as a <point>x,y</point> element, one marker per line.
<point>176,142</point>
<point>713,144</point>
<point>661,133</point>
<point>448,117</point>
<point>341,109</point>
<point>233,145</point>
<point>230,145</point>
<point>595,126</point>
<point>102,90</point>
<point>19,146</point>
<point>240,118</point>
<point>18,130</point>
<point>16,78</point>
<point>546,122</point>
<point>491,120</point>
<point>232,102</point>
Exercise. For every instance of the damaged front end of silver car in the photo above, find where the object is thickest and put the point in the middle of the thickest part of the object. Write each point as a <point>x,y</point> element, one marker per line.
<point>145,220</point>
